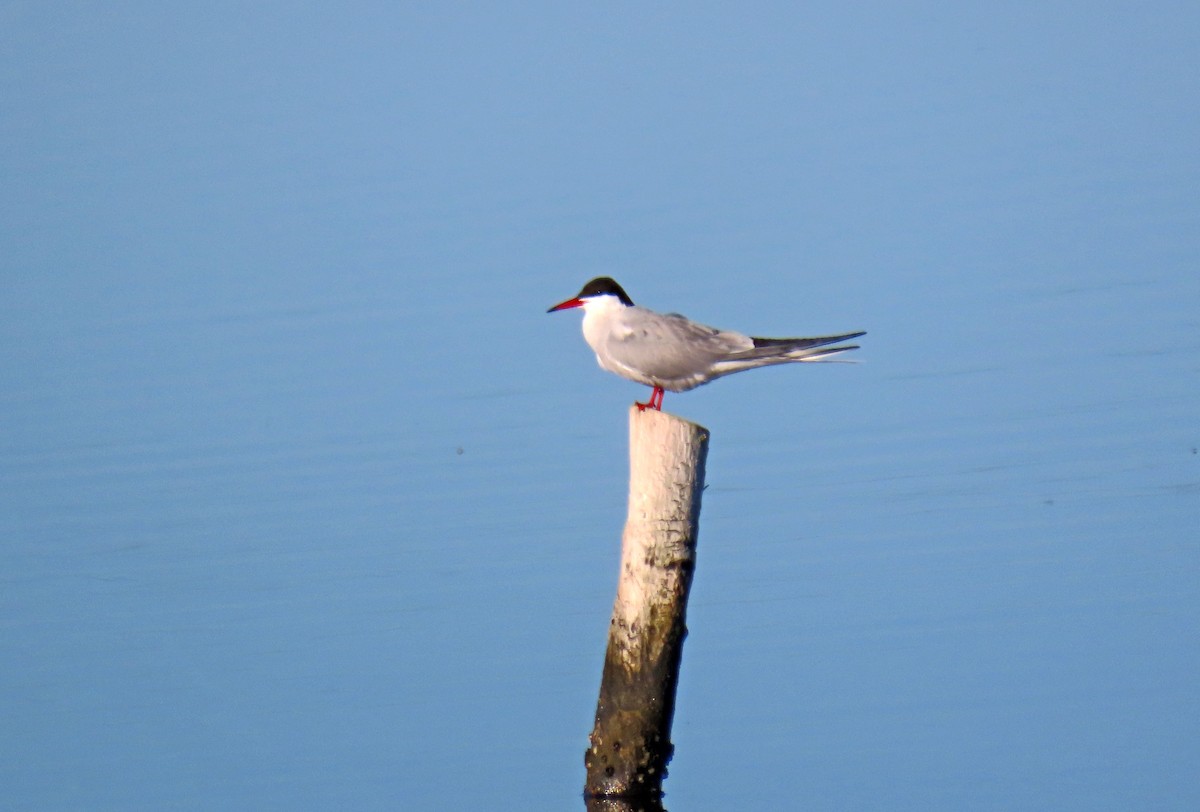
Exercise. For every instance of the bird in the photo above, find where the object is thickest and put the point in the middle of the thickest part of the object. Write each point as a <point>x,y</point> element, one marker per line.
<point>671,353</point>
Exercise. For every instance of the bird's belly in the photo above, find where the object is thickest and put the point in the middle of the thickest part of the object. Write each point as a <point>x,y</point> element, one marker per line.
<point>670,380</point>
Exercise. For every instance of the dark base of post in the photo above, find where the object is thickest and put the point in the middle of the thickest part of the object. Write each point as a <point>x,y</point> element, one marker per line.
<point>631,743</point>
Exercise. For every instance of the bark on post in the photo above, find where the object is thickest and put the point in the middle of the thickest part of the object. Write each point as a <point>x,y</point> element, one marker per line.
<point>631,742</point>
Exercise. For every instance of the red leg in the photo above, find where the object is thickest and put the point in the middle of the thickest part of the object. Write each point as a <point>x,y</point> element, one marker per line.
<point>654,402</point>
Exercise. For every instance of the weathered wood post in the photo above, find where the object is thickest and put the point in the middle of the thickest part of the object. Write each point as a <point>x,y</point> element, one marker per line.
<point>631,742</point>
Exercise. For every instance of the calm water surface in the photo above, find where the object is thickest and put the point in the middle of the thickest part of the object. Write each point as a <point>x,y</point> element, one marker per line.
<point>305,503</point>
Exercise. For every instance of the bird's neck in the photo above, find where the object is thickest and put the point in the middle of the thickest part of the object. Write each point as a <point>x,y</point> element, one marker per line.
<point>599,316</point>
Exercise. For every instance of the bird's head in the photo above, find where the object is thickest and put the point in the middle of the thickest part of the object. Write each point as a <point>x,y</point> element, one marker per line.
<point>601,290</point>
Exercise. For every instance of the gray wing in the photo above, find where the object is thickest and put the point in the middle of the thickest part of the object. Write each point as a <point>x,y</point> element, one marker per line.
<point>670,347</point>
<point>768,347</point>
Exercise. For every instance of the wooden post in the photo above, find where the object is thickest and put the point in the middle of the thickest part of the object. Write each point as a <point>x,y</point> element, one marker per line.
<point>631,742</point>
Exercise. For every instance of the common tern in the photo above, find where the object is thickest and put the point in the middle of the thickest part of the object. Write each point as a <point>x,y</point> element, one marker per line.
<point>670,352</point>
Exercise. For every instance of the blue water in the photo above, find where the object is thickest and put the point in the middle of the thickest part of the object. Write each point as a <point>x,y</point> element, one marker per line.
<point>305,503</point>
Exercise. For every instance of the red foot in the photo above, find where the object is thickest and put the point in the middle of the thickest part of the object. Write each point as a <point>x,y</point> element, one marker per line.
<point>655,401</point>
